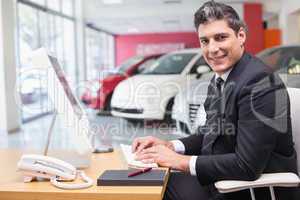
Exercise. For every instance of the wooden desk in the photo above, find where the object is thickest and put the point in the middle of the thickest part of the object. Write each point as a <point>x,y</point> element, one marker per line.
<point>13,188</point>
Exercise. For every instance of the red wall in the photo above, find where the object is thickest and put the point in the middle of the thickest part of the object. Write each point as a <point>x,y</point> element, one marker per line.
<point>272,37</point>
<point>126,44</point>
<point>254,20</point>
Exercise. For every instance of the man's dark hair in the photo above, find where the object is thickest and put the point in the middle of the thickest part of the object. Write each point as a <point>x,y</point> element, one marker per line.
<point>211,11</point>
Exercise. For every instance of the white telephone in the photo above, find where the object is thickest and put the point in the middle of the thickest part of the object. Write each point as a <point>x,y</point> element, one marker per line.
<point>34,166</point>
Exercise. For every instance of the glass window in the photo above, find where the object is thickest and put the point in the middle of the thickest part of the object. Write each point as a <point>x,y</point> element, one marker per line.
<point>281,59</point>
<point>129,63</point>
<point>67,7</point>
<point>28,33</point>
<point>145,65</point>
<point>198,63</point>
<point>40,2</point>
<point>99,53</point>
<point>54,5</point>
<point>37,28</point>
<point>93,53</point>
<point>271,57</point>
<point>58,39</point>
<point>69,48</point>
<point>43,28</point>
<point>110,51</point>
<point>171,64</point>
<point>51,34</point>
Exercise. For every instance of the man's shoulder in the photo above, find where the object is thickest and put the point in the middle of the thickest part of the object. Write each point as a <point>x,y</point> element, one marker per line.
<point>256,69</point>
<point>257,65</point>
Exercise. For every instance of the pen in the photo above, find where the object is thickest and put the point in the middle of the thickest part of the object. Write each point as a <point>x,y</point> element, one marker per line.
<point>137,172</point>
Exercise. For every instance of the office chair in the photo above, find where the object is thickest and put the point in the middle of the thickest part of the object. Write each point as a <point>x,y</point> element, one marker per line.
<point>272,180</point>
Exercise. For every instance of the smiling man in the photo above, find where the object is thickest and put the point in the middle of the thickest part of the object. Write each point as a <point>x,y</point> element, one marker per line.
<point>248,128</point>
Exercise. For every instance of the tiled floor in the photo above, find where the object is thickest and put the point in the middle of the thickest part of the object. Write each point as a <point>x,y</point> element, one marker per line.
<point>33,134</point>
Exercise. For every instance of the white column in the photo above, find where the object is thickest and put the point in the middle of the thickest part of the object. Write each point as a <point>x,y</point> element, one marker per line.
<point>80,40</point>
<point>283,18</point>
<point>289,21</point>
<point>9,110</point>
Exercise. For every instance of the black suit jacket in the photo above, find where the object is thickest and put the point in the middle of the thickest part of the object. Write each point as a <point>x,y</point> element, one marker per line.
<point>251,134</point>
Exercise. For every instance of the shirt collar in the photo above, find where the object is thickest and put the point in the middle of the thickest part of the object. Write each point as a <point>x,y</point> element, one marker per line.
<point>224,76</point>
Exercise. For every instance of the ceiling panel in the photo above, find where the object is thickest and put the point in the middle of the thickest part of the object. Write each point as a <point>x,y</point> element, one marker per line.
<point>143,16</point>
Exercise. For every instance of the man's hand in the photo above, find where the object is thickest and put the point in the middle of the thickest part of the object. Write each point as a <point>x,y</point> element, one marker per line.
<point>145,142</point>
<point>164,157</point>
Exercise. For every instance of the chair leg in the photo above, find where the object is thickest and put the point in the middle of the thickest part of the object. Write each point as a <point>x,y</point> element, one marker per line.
<point>272,193</point>
<point>252,194</point>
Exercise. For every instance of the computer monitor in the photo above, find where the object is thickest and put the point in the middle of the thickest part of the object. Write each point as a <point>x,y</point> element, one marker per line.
<point>67,107</point>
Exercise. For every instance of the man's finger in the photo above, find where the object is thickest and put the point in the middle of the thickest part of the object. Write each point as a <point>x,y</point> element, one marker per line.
<point>152,149</point>
<point>148,161</point>
<point>134,145</point>
<point>142,146</point>
<point>143,156</point>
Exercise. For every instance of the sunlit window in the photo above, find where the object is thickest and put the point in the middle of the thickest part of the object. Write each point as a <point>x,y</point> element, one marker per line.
<point>48,24</point>
<point>99,53</point>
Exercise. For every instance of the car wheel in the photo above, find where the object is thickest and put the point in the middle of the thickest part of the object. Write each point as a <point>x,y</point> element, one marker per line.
<point>107,107</point>
<point>135,121</point>
<point>168,113</point>
<point>182,127</point>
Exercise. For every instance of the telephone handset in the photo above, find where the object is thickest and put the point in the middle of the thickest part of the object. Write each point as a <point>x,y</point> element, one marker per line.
<point>56,170</point>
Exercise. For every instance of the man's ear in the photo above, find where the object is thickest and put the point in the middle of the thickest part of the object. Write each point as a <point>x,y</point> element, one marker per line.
<point>242,36</point>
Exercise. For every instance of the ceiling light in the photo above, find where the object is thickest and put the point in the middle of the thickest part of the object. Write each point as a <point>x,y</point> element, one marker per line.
<point>133,30</point>
<point>171,21</point>
<point>172,1</point>
<point>112,1</point>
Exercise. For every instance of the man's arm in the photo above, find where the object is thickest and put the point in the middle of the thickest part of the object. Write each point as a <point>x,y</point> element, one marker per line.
<point>257,131</point>
<point>192,144</point>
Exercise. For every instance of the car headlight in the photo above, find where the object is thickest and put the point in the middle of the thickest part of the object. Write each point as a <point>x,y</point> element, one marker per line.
<point>147,93</point>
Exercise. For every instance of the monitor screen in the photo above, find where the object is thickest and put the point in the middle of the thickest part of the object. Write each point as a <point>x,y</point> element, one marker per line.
<point>61,77</point>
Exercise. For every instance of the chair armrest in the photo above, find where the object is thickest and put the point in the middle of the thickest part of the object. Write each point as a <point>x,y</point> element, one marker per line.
<point>265,180</point>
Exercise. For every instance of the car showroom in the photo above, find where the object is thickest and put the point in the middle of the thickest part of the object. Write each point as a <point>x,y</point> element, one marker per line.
<point>82,79</point>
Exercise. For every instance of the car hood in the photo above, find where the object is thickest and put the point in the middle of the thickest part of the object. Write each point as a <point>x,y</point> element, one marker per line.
<point>157,80</point>
<point>113,78</point>
<point>149,85</point>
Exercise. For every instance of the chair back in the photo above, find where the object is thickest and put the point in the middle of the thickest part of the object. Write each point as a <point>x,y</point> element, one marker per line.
<point>294,94</point>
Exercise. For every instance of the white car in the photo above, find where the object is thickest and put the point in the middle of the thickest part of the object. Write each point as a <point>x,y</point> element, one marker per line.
<point>151,94</point>
<point>188,110</point>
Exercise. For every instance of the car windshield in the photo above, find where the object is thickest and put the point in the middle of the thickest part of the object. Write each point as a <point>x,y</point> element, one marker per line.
<point>284,59</point>
<point>170,64</point>
<point>128,63</point>
<point>271,57</point>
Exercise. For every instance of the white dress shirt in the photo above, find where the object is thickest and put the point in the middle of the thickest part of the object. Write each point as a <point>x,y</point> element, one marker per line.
<point>179,146</point>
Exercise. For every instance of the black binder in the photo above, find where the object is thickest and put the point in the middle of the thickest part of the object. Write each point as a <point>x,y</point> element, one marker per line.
<point>154,177</point>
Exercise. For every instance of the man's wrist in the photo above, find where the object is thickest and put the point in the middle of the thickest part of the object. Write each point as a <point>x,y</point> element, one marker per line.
<point>184,163</point>
<point>178,146</point>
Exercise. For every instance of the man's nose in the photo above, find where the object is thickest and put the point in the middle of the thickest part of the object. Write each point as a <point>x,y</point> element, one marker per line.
<point>213,47</point>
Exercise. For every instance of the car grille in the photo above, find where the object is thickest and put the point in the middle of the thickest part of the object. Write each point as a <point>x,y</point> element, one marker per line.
<point>184,128</point>
<point>193,109</point>
<point>127,110</point>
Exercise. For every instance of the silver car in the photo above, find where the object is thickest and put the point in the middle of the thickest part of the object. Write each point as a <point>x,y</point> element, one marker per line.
<point>188,110</point>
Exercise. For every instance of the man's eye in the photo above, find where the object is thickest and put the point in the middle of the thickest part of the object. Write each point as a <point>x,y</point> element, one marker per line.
<point>220,37</point>
<point>204,42</point>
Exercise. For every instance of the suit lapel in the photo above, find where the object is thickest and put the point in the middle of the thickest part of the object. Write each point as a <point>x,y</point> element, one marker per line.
<point>233,78</point>
<point>230,84</point>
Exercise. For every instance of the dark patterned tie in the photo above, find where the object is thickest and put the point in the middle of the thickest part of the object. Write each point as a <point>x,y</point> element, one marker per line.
<point>215,107</point>
<point>219,83</point>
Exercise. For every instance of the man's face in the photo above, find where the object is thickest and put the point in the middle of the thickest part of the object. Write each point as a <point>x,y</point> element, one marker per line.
<point>221,46</point>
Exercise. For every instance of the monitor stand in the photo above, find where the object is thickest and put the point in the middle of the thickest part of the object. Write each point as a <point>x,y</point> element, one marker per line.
<point>68,155</point>
<point>78,160</point>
